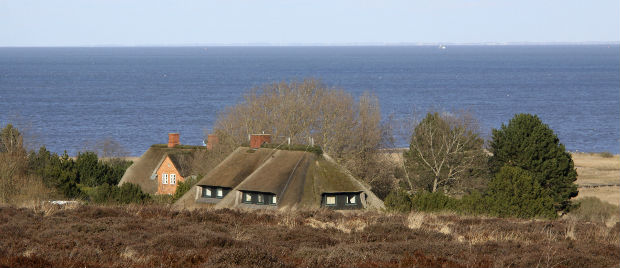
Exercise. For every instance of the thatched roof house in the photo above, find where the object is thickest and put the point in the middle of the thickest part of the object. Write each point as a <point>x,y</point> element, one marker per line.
<point>271,178</point>
<point>162,167</point>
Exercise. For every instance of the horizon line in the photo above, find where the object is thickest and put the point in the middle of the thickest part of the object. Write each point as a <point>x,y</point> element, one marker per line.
<point>352,44</point>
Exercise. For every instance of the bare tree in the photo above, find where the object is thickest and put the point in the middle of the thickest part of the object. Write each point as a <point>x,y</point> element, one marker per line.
<point>445,151</point>
<point>349,131</point>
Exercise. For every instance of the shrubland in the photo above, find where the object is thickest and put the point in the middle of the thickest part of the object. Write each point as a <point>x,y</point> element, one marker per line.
<point>41,175</point>
<point>155,235</point>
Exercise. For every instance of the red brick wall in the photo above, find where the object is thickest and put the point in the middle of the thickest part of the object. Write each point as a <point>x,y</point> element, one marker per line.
<point>256,140</point>
<point>173,139</point>
<point>168,168</point>
<point>211,140</point>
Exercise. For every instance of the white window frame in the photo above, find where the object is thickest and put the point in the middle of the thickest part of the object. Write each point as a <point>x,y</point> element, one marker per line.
<point>274,200</point>
<point>327,200</point>
<point>164,178</point>
<point>248,198</point>
<point>219,192</point>
<point>352,198</point>
<point>173,178</point>
<point>260,199</point>
<point>207,192</point>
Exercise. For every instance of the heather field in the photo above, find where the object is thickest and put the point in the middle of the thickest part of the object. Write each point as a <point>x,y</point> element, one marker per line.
<point>155,235</point>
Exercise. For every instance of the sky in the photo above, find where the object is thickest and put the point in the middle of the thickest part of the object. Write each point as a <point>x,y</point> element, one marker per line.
<point>290,22</point>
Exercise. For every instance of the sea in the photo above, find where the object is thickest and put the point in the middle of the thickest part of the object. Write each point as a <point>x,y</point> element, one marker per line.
<point>68,99</point>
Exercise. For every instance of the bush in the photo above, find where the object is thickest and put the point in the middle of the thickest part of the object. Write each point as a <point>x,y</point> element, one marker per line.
<point>398,200</point>
<point>437,201</point>
<point>65,174</point>
<point>183,187</point>
<point>594,210</point>
<point>111,194</point>
<point>526,142</point>
<point>606,155</point>
<point>515,192</point>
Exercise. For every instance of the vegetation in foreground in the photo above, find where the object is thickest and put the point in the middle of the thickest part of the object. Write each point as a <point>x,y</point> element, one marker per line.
<point>149,236</point>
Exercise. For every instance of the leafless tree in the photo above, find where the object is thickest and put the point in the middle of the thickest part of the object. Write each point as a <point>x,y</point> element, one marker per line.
<point>446,150</point>
<point>349,131</point>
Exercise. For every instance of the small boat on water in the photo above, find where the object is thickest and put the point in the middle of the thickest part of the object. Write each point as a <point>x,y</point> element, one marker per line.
<point>442,47</point>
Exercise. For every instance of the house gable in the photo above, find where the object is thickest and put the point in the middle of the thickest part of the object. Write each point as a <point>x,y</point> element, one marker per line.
<point>168,176</point>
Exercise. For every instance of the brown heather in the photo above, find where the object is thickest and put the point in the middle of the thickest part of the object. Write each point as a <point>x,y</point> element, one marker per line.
<point>150,236</point>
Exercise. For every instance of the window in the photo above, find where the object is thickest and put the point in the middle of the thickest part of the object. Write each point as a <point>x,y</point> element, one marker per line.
<point>260,199</point>
<point>220,192</point>
<point>330,200</point>
<point>274,200</point>
<point>247,198</point>
<point>206,192</point>
<point>164,178</point>
<point>351,199</point>
<point>173,178</point>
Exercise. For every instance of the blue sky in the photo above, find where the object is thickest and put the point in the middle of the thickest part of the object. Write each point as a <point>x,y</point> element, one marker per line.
<point>189,22</point>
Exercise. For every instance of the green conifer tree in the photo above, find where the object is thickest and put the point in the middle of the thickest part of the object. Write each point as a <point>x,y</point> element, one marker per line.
<point>526,142</point>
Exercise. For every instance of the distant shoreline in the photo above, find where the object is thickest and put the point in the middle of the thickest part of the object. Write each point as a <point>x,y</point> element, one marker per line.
<point>404,44</point>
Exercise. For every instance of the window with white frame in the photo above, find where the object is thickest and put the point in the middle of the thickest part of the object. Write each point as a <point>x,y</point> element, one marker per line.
<point>260,199</point>
<point>164,178</point>
<point>274,200</point>
<point>351,199</point>
<point>173,178</point>
<point>330,200</point>
<point>206,192</point>
<point>220,192</point>
<point>248,198</point>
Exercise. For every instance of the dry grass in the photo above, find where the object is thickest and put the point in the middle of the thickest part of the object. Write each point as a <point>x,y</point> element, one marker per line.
<point>148,236</point>
<point>597,170</point>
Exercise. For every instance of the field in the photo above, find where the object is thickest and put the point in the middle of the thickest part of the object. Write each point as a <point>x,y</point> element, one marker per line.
<point>149,236</point>
<point>598,176</point>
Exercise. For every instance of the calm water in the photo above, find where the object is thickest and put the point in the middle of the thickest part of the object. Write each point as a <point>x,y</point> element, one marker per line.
<point>68,97</point>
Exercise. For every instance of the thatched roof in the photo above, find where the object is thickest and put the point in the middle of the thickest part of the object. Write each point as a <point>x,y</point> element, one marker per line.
<point>297,178</point>
<point>235,168</point>
<point>141,171</point>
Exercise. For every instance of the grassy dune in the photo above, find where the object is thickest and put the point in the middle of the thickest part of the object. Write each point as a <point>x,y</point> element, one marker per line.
<point>148,236</point>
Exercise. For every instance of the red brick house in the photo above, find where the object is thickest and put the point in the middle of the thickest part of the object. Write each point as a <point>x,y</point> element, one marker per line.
<point>163,166</point>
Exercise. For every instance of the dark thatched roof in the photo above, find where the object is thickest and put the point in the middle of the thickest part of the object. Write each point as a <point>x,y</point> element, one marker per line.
<point>141,171</point>
<point>235,168</point>
<point>297,178</point>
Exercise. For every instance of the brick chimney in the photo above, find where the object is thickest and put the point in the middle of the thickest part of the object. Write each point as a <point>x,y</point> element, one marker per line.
<point>173,140</point>
<point>211,140</point>
<point>256,140</point>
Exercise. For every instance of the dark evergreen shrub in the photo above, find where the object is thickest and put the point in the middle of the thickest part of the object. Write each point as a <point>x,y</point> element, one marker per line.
<point>515,192</point>
<point>526,142</point>
<point>183,187</point>
<point>398,200</point>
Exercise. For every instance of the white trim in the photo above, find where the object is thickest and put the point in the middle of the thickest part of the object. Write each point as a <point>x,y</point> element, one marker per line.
<point>164,178</point>
<point>173,178</point>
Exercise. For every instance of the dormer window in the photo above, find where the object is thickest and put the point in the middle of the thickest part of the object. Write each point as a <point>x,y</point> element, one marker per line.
<point>351,200</point>
<point>220,192</point>
<point>206,192</point>
<point>330,200</point>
